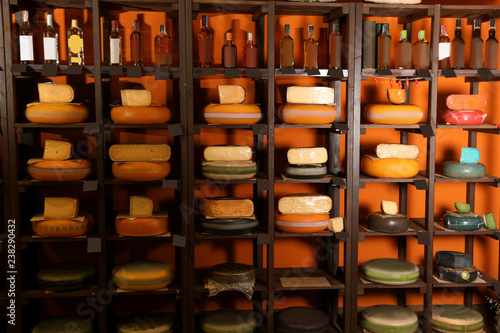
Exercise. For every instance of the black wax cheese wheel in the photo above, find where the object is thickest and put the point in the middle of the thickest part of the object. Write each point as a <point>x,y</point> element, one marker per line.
<point>453,259</point>
<point>457,275</point>
<point>462,222</point>
<point>301,319</point>
<point>387,223</point>
<point>65,276</point>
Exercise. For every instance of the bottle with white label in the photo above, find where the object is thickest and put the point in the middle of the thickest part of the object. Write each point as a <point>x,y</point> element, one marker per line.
<point>115,45</point>
<point>50,43</point>
<point>26,53</point>
<point>444,49</point>
<point>75,44</point>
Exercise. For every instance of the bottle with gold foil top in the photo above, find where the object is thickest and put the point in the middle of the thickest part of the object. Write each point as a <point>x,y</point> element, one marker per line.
<point>310,50</point>
<point>163,48</point>
<point>115,45</point>
<point>75,44</point>
<point>135,45</point>
<point>457,58</point>
<point>50,43</point>
<point>26,50</point>
<point>204,44</point>
<point>229,52</point>
<point>444,49</point>
<point>476,47</point>
<point>491,48</point>
<point>403,52</point>
<point>286,49</point>
<point>335,50</point>
<point>250,53</point>
<point>421,52</point>
<point>384,48</point>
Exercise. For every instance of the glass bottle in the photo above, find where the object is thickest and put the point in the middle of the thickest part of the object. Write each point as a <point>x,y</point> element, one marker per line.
<point>26,51</point>
<point>476,47</point>
<point>310,50</point>
<point>250,53</point>
<point>421,52</point>
<point>163,48</point>
<point>75,44</point>
<point>384,48</point>
<point>444,49</point>
<point>457,58</point>
<point>204,44</point>
<point>335,50</point>
<point>135,45</point>
<point>50,43</point>
<point>286,49</point>
<point>491,48</point>
<point>403,51</point>
<point>115,45</point>
<point>229,52</point>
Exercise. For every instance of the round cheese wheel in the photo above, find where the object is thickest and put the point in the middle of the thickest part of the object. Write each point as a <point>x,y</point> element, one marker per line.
<point>227,170</point>
<point>65,276</point>
<point>232,114</point>
<point>389,167</point>
<point>141,226</point>
<point>457,275</point>
<point>300,223</point>
<point>302,319</point>
<point>140,114</point>
<point>148,323</point>
<point>390,224</point>
<point>466,102</point>
<point>389,318</point>
<point>143,275</point>
<point>63,228</point>
<point>306,171</point>
<point>393,114</point>
<point>462,222</point>
<point>60,170</point>
<point>230,273</point>
<point>140,171</point>
<point>391,271</point>
<point>464,117</point>
<point>313,114</point>
<point>452,318</point>
<point>464,170</point>
<point>53,113</point>
<point>60,324</point>
<point>228,321</point>
<point>229,226</point>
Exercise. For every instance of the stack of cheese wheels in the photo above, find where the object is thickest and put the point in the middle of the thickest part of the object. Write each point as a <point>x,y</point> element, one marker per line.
<point>65,276</point>
<point>465,109</point>
<point>143,275</point>
<point>61,324</point>
<point>55,106</point>
<point>455,266</point>
<point>140,161</point>
<point>395,114</point>
<point>228,216</point>
<point>141,221</point>
<point>468,167</point>
<point>308,105</point>
<point>307,163</point>
<point>452,318</point>
<point>56,163</point>
<point>388,220</point>
<point>463,219</point>
<point>230,109</point>
<point>147,323</point>
<point>228,321</point>
<point>391,271</point>
<point>228,162</point>
<point>391,161</point>
<point>61,219</point>
<point>389,318</point>
<point>302,319</point>
<point>136,108</point>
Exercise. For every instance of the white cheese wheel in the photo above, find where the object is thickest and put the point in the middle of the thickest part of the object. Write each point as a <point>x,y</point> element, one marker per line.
<point>309,95</point>
<point>305,203</point>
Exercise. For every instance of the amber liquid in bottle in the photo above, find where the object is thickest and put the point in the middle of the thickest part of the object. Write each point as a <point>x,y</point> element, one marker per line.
<point>491,48</point>
<point>444,49</point>
<point>135,45</point>
<point>75,44</point>
<point>476,47</point>
<point>335,50</point>
<point>403,52</point>
<point>115,45</point>
<point>384,48</point>
<point>286,49</point>
<point>457,58</point>
<point>229,52</point>
<point>250,53</point>
<point>204,44</point>
<point>310,50</point>
<point>50,43</point>
<point>163,48</point>
<point>421,52</point>
<point>26,51</point>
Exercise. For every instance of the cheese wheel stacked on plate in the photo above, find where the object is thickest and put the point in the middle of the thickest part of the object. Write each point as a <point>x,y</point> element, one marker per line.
<point>228,216</point>
<point>388,220</point>
<point>143,275</point>
<point>463,219</point>
<point>57,165</point>
<point>230,109</point>
<point>228,162</point>
<point>55,106</point>
<point>391,161</point>
<point>136,108</point>
<point>307,163</point>
<point>303,213</point>
<point>465,109</point>
<point>308,105</point>
<point>141,220</point>
<point>455,266</point>
<point>468,167</point>
<point>61,218</point>
<point>140,161</point>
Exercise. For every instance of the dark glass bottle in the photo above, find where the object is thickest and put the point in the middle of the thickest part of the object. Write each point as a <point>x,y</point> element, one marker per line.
<point>457,58</point>
<point>444,49</point>
<point>135,45</point>
<point>229,52</point>
<point>476,47</point>
<point>250,53</point>
<point>204,44</point>
<point>163,48</point>
<point>335,50</point>
<point>491,48</point>
<point>286,49</point>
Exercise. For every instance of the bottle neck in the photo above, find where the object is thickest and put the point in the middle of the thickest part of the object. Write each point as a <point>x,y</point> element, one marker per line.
<point>114,26</point>
<point>74,23</point>
<point>421,36</point>
<point>49,20</point>
<point>311,32</point>
<point>458,32</point>
<point>162,30</point>
<point>477,32</point>
<point>385,30</point>
<point>250,38</point>
<point>492,32</point>
<point>443,31</point>
<point>25,16</point>
<point>135,26</point>
<point>229,38</point>
<point>403,35</point>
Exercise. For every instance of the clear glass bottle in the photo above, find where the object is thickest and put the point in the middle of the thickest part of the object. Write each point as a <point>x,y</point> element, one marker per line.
<point>115,45</point>
<point>135,45</point>
<point>50,43</point>
<point>402,49</point>
<point>26,50</point>
<point>229,52</point>
<point>204,44</point>
<point>491,48</point>
<point>421,52</point>
<point>335,49</point>
<point>384,48</point>
<point>250,53</point>
<point>476,47</point>
<point>75,44</point>
<point>310,49</point>
<point>163,48</point>
<point>457,58</point>
<point>286,49</point>
<point>444,49</point>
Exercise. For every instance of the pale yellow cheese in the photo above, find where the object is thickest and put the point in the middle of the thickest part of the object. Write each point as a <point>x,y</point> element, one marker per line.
<point>396,150</point>
<point>140,206</point>
<point>57,150</point>
<point>389,207</point>
<point>231,94</point>
<point>309,95</point>
<point>136,97</point>
<point>307,155</point>
<point>227,153</point>
<point>227,207</point>
<point>139,152</point>
<point>305,203</point>
<point>55,93</point>
<point>336,224</point>
<point>60,207</point>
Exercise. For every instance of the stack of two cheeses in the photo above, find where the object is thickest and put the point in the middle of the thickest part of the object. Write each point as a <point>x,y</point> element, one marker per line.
<point>468,167</point>
<point>141,220</point>
<point>228,216</point>
<point>465,109</point>
<point>388,220</point>
<point>308,105</point>
<point>141,161</point>
<point>307,163</point>
<point>392,161</point>
<point>136,108</point>
<point>228,162</point>
<point>455,266</point>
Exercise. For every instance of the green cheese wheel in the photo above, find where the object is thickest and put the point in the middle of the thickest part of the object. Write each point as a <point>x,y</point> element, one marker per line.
<point>457,275</point>
<point>65,276</point>
<point>145,324</point>
<point>227,170</point>
<point>62,324</point>
<point>462,222</point>
<point>306,171</point>
<point>391,271</point>
<point>390,224</point>
<point>228,321</point>
<point>388,319</point>
<point>464,170</point>
<point>456,318</point>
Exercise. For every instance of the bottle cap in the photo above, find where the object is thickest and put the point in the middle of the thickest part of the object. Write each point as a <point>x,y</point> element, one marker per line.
<point>250,36</point>
<point>204,20</point>
<point>404,34</point>
<point>378,28</point>
<point>477,23</point>
<point>229,36</point>
<point>310,29</point>
<point>49,19</point>
<point>287,29</point>
<point>492,23</point>
<point>74,23</point>
<point>443,27</point>
<point>458,23</point>
<point>421,34</point>
<point>162,27</point>
<point>25,15</point>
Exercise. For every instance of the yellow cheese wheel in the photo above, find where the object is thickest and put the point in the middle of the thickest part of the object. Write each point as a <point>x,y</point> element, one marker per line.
<point>143,275</point>
<point>140,114</point>
<point>62,227</point>
<point>389,167</point>
<point>60,170</point>
<point>52,113</point>
<point>300,223</point>
<point>140,171</point>
<point>313,114</point>
<point>232,114</point>
<point>141,226</point>
<point>402,114</point>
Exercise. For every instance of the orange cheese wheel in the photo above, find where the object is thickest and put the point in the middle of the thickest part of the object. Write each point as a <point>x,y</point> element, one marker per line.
<point>140,171</point>
<point>62,228</point>
<point>52,113</point>
<point>393,114</point>
<point>140,114</point>
<point>300,223</point>
<point>389,167</point>
<point>313,114</point>
<point>141,226</point>
<point>143,275</point>
<point>232,114</point>
<point>60,170</point>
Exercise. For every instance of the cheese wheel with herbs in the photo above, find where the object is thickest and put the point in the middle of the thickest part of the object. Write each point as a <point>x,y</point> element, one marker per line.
<point>228,321</point>
<point>141,115</point>
<point>305,203</point>
<point>389,167</point>
<point>226,207</point>
<point>232,114</point>
<point>471,117</point>
<point>301,223</point>
<point>141,226</point>
<point>65,276</point>
<point>228,170</point>
<point>146,323</point>
<point>60,324</point>
<point>311,114</point>
<point>60,228</point>
<point>389,318</point>
<point>60,170</point>
<point>53,113</point>
<point>391,271</point>
<point>451,318</point>
<point>140,171</point>
<point>139,152</point>
<point>397,114</point>
<point>143,275</point>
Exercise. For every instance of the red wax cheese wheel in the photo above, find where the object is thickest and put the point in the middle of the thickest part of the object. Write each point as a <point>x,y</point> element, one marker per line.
<point>140,171</point>
<point>52,113</point>
<point>141,226</point>
<point>60,170</point>
<point>464,117</point>
<point>301,223</point>
<point>140,114</point>
<point>393,114</point>
<point>313,114</point>
<point>232,114</point>
<point>389,167</point>
<point>63,228</point>
<point>466,102</point>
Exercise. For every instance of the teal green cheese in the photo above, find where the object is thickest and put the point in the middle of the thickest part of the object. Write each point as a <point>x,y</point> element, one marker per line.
<point>470,155</point>
<point>456,319</point>
<point>464,170</point>
<point>62,324</point>
<point>146,324</point>
<point>391,271</point>
<point>228,321</point>
<point>489,221</point>
<point>462,222</point>
<point>227,170</point>
<point>388,319</point>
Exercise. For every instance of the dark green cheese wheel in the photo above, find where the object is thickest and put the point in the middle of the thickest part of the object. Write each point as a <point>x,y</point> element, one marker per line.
<point>228,321</point>
<point>228,170</point>
<point>146,324</point>
<point>65,276</point>
<point>453,259</point>
<point>390,224</point>
<point>456,319</point>
<point>62,324</point>
<point>389,319</point>
<point>457,275</point>
<point>229,226</point>
<point>306,171</point>
<point>464,170</point>
<point>463,222</point>
<point>391,271</point>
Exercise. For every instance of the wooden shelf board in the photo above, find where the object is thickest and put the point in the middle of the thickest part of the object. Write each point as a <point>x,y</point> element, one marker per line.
<point>488,282</point>
<point>284,125</point>
<point>28,238</point>
<point>325,180</point>
<point>155,5</point>
<point>484,128</point>
<point>113,236</point>
<point>315,9</point>
<point>396,10</point>
<point>41,126</point>
<point>114,181</point>
<point>34,182</point>
<point>368,179</point>
<point>440,230</point>
<point>470,12</point>
<point>63,69</point>
<point>413,225</point>
<point>235,126</point>
<point>145,70</point>
<point>220,71</point>
<point>395,72</point>
<point>326,233</point>
<point>393,126</point>
<point>204,236</point>
<point>39,293</point>
<point>254,180</point>
<point>134,126</point>
<point>323,73</point>
<point>419,284</point>
<point>471,73</point>
<point>230,6</point>
<point>443,179</point>
<point>171,290</point>
<point>301,272</point>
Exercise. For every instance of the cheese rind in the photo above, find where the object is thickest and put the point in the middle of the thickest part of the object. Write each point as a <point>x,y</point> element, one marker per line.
<point>396,150</point>
<point>227,153</point>
<point>141,114</point>
<point>140,206</point>
<point>462,222</point>
<point>56,113</point>
<point>300,223</point>
<point>62,324</point>
<point>60,228</point>
<point>453,259</point>
<point>227,207</point>
<point>58,150</point>
<point>141,226</point>
<point>136,97</point>
<point>389,207</point>
<point>454,117</point>
<point>60,207</point>
<point>232,114</point>
<point>391,271</point>
<point>470,155</point>
<point>231,94</point>
<point>228,321</point>
<point>389,318</point>
<point>310,95</point>
<point>55,93</point>
<point>143,275</point>
<point>306,171</point>
<point>141,171</point>
<point>227,170</point>
<point>391,224</point>
<point>141,152</point>
<point>307,155</point>
<point>305,203</point>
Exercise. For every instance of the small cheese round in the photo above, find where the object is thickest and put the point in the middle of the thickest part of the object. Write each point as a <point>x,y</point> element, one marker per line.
<point>391,224</point>
<point>464,170</point>
<point>140,171</point>
<point>229,226</point>
<point>391,271</point>
<point>463,222</point>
